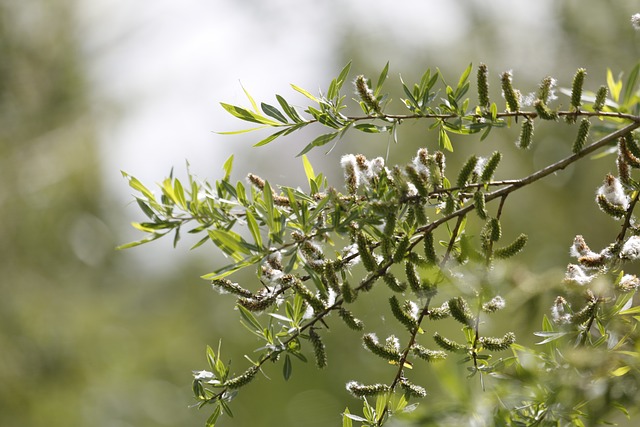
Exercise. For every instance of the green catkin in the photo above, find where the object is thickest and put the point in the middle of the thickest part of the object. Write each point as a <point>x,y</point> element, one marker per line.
<point>601,98</point>
<point>366,94</point>
<point>479,204</point>
<point>308,296</point>
<point>512,249</point>
<point>526,134</point>
<point>242,380</point>
<point>544,112</point>
<point>348,293</point>
<point>510,94</point>
<point>626,155</point>
<point>421,216</point>
<point>234,288</point>
<point>494,229</point>
<point>583,133</point>
<point>460,311</point>
<point>498,344</point>
<point>402,316</point>
<point>576,89</point>
<point>412,277</point>
<point>491,166</point>
<point>439,313</point>
<point>624,173</point>
<point>412,389</point>
<point>257,304</point>
<point>371,343</point>
<point>449,204</point>
<point>319,350</point>
<point>545,89</point>
<point>368,261</point>
<point>428,355</point>
<point>449,345</point>
<point>429,248</point>
<point>586,313</point>
<point>615,211</point>
<point>417,180</point>
<point>483,86</point>
<point>359,390</point>
<point>350,320</point>
<point>394,284</point>
<point>632,145</point>
<point>466,171</point>
<point>401,250</point>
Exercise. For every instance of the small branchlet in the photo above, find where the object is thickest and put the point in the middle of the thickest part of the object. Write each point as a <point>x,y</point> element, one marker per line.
<point>350,320</point>
<point>384,351</point>
<point>483,86</point>
<point>526,134</point>
<point>243,379</point>
<point>401,315</point>
<point>319,350</point>
<point>498,344</point>
<point>460,311</point>
<point>583,133</point>
<point>449,345</point>
<point>511,95</point>
<point>428,355</point>
<point>512,249</point>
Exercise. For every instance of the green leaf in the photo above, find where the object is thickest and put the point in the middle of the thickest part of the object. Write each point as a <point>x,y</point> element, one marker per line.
<point>381,79</point>
<point>343,76</point>
<point>237,132</point>
<point>146,209</point>
<point>248,116</point>
<point>443,140</point>
<point>319,142</point>
<point>370,128</point>
<point>211,421</point>
<point>273,112</point>
<point>229,242</point>
<point>287,368</point>
<point>305,93</point>
<point>138,186</point>
<point>614,86</point>
<point>253,103</point>
<point>631,84</point>
<point>463,79</point>
<point>308,169</point>
<point>254,228</point>
<point>250,319</point>
<point>288,109</point>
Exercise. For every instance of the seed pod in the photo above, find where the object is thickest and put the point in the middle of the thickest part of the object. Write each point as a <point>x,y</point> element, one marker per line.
<point>348,293</point>
<point>401,249</point>
<point>394,284</point>
<point>615,211</point>
<point>367,258</point>
<point>544,112</point>
<point>417,180</point>
<point>583,133</point>
<point>466,171</point>
<point>439,313</point>
<point>586,313</point>
<point>429,249</point>
<point>233,288</point>
<point>546,87</point>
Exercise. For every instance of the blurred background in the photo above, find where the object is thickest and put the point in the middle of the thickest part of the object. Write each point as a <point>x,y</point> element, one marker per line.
<point>93,336</point>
